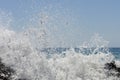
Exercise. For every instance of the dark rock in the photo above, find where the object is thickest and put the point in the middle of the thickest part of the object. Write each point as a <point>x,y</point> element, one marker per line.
<point>112,67</point>
<point>5,72</point>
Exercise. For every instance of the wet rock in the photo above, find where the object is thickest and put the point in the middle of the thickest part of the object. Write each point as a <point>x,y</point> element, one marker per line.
<point>113,70</point>
<point>5,72</point>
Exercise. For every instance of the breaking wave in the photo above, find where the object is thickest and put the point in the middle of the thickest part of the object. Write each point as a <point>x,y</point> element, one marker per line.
<point>18,51</point>
<point>23,51</point>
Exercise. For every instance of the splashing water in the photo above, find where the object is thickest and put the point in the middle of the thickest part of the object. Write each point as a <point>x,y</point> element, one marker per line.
<point>17,51</point>
<point>22,52</point>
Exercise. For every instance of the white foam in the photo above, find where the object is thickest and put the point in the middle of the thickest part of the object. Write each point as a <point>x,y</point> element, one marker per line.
<point>17,51</point>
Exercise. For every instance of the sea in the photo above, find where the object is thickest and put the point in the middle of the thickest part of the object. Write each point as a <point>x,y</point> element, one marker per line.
<point>30,61</point>
<point>32,53</point>
<point>114,51</point>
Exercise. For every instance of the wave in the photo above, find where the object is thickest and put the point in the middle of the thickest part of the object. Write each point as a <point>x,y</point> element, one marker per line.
<point>23,53</point>
<point>26,54</point>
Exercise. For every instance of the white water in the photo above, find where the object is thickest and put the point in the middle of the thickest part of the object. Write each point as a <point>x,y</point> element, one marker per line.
<point>19,52</point>
<point>22,52</point>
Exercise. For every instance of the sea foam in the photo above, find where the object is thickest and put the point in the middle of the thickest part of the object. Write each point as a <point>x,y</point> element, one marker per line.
<point>17,50</point>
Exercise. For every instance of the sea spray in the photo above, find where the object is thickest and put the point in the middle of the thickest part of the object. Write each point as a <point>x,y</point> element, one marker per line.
<point>22,52</point>
<point>18,52</point>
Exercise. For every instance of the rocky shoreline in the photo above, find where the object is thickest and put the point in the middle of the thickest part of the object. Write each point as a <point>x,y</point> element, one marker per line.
<point>7,73</point>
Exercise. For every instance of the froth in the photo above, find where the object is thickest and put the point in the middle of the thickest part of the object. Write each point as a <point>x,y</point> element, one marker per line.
<point>18,52</point>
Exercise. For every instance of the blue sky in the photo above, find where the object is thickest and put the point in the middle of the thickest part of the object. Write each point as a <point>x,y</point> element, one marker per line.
<point>84,18</point>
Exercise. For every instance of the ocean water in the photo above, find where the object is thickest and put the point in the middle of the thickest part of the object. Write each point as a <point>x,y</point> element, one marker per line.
<point>115,52</point>
<point>28,53</point>
<point>32,62</point>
